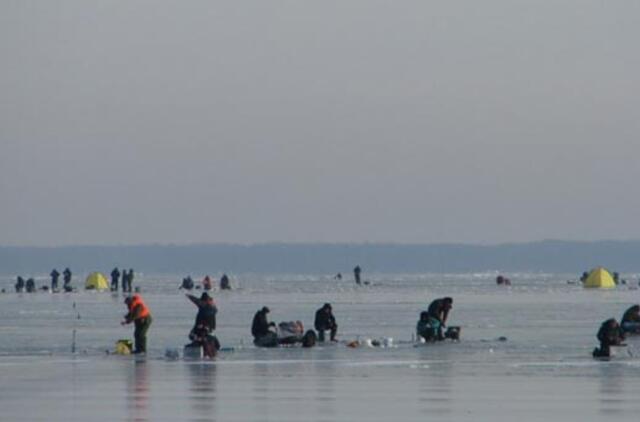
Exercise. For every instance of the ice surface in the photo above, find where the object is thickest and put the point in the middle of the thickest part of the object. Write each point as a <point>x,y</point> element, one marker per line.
<point>542,372</point>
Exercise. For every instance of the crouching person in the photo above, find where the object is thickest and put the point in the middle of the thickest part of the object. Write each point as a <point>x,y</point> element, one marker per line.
<point>609,334</point>
<point>325,321</point>
<point>263,336</point>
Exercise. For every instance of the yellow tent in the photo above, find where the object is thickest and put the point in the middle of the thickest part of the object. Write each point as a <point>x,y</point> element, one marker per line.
<point>599,278</point>
<point>96,281</point>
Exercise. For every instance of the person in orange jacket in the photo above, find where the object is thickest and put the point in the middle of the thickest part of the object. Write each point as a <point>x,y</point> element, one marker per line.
<point>140,315</point>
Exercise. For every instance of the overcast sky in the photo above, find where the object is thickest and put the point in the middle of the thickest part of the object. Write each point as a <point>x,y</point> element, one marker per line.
<point>128,122</point>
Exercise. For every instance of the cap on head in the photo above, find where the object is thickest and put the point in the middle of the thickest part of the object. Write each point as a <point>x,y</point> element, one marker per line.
<point>327,306</point>
<point>266,310</point>
<point>205,296</point>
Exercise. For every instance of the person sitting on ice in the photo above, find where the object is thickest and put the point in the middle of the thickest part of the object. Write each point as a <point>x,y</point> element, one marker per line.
<point>224,282</point>
<point>292,332</point>
<point>609,334</point>
<point>427,327</point>
<point>187,283</point>
<point>263,336</point>
<point>631,320</point>
<point>206,283</point>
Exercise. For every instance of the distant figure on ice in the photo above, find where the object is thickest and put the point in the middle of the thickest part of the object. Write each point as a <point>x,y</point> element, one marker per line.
<point>19,285</point>
<point>224,283</point>
<point>54,280</point>
<point>609,334</point>
<point>115,278</point>
<point>356,273</point>
<point>187,283</point>
<point>261,329</point>
<point>130,276</point>
<point>501,280</point>
<point>206,283</point>
<point>66,276</point>
<point>325,321</point>
<point>140,315</point>
<point>338,276</point>
<point>202,332</point>
<point>631,320</point>
<point>30,285</point>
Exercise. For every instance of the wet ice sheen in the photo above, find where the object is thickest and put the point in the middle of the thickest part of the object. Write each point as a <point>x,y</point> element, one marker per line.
<point>543,371</point>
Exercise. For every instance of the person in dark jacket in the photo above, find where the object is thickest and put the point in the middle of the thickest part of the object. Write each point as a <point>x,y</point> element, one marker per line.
<point>205,324</point>
<point>130,277</point>
<point>66,276</point>
<point>224,282</point>
<point>609,334</point>
<point>631,320</point>
<point>207,311</point>
<point>325,321</point>
<point>356,273</point>
<point>19,284</point>
<point>260,329</point>
<point>115,278</point>
<point>55,275</point>
<point>439,311</point>
<point>425,327</point>
<point>187,283</point>
<point>30,285</point>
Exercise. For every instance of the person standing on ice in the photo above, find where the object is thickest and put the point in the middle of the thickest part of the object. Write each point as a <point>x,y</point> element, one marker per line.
<point>140,315</point>
<point>54,279</point>
<point>115,278</point>
<point>205,324</point>
<point>66,275</point>
<point>356,273</point>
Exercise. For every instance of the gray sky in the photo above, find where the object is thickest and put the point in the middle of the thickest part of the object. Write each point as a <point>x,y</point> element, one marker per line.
<point>127,122</point>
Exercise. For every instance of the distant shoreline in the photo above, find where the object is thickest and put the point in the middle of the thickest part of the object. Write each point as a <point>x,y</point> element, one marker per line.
<point>547,256</point>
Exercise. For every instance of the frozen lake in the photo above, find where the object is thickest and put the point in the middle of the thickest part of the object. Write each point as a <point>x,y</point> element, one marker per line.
<point>543,371</point>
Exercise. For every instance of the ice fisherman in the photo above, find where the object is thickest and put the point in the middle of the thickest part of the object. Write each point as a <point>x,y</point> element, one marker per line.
<point>206,283</point>
<point>19,284</point>
<point>187,283</point>
<point>205,324</point>
<point>609,334</point>
<point>66,276</point>
<point>140,315</point>
<point>630,322</point>
<point>263,336</point>
<point>115,278</point>
<point>55,275</point>
<point>325,321</point>
<point>356,273</point>
<point>224,282</point>
<point>30,285</point>
<point>438,312</point>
